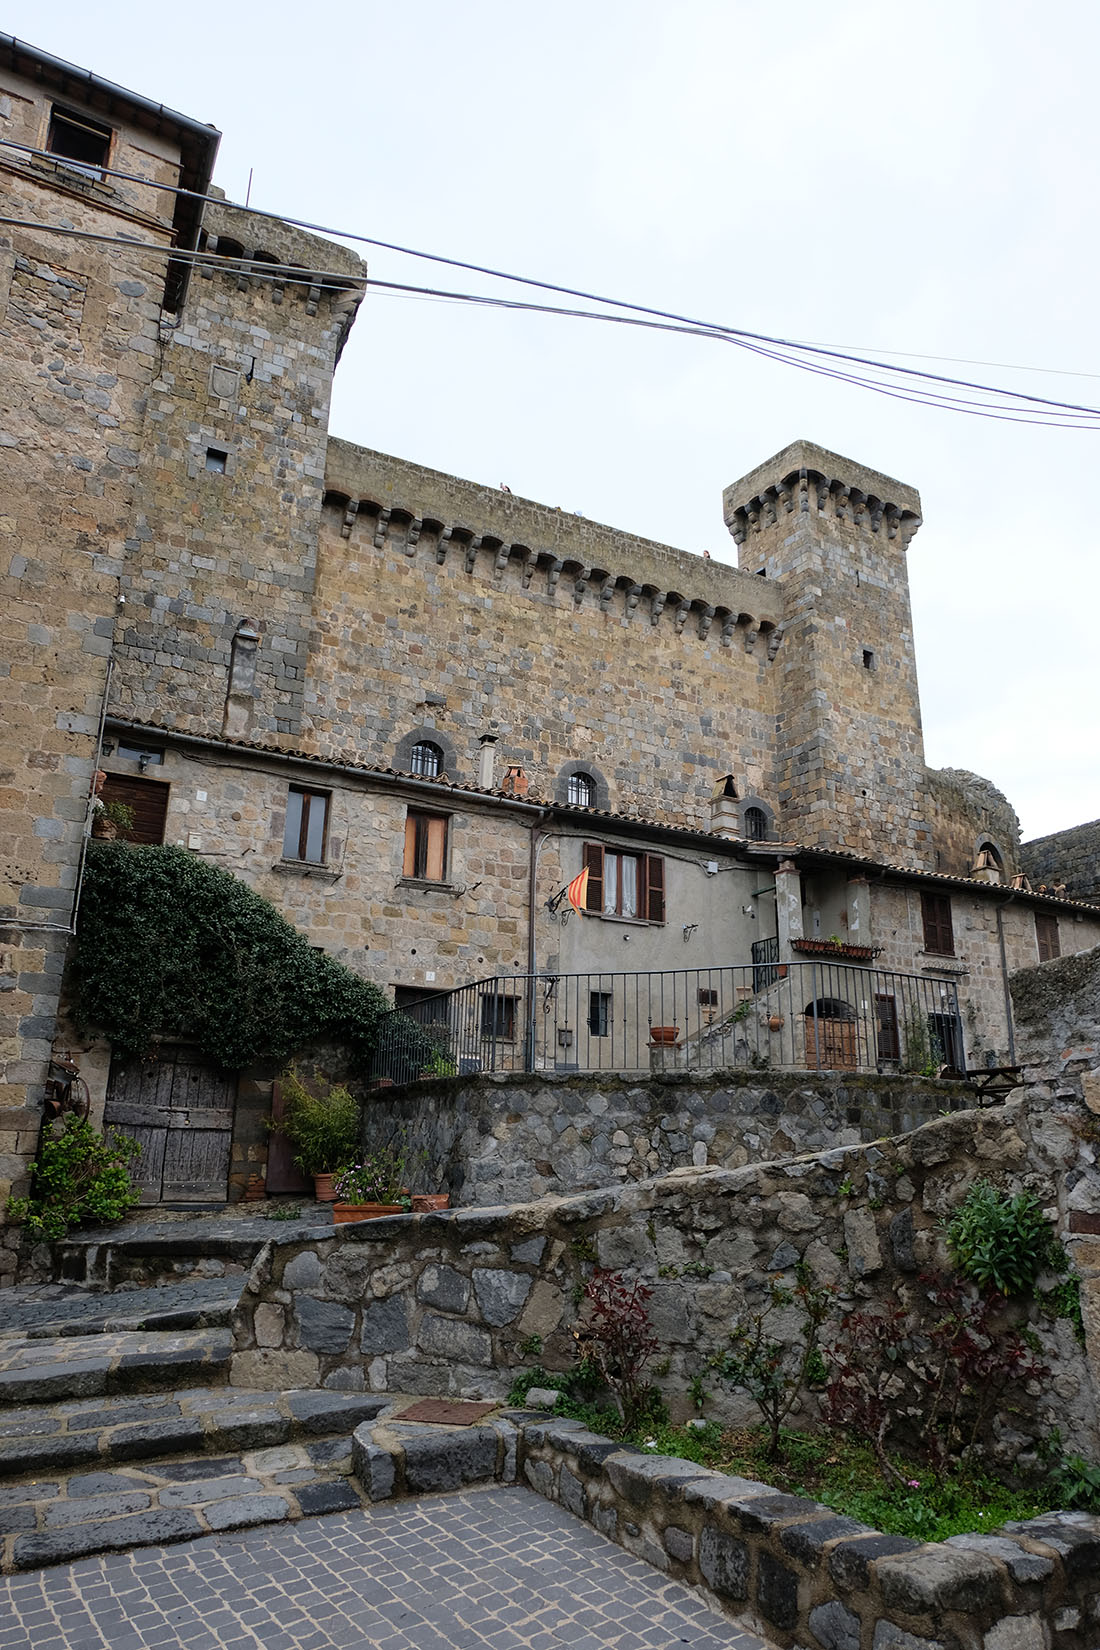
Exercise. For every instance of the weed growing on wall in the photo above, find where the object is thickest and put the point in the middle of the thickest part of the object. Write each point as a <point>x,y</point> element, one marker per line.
<point>1002,1242</point>
<point>775,1372</point>
<point>169,945</point>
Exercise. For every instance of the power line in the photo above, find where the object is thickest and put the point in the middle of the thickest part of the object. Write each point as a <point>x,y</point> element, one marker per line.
<point>915,385</point>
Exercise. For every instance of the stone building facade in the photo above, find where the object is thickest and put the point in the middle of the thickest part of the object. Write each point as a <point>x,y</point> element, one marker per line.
<point>406,708</point>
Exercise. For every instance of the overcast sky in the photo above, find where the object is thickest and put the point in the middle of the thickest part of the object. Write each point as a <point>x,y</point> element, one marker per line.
<point>916,178</point>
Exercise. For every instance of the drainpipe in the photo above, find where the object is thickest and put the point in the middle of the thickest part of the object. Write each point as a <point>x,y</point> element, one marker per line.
<point>536,840</point>
<point>1004,979</point>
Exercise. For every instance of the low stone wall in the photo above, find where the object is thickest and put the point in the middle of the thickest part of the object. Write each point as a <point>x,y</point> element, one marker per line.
<point>454,1303</point>
<point>510,1138</point>
<point>800,1574</point>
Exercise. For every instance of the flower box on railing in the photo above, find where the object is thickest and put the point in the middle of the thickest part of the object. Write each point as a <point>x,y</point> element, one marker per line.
<point>834,948</point>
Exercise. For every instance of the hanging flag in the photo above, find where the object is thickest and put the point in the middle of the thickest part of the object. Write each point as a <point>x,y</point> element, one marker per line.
<point>578,891</point>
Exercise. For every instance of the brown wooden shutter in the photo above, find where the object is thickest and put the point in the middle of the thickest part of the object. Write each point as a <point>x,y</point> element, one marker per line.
<point>654,867</point>
<point>437,849</point>
<point>1046,934</point>
<point>149,800</point>
<point>409,868</point>
<point>936,917</point>
<point>593,859</point>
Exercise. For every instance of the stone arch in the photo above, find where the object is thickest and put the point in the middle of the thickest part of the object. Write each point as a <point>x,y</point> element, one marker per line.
<point>570,770</point>
<point>424,735</point>
<point>755,810</point>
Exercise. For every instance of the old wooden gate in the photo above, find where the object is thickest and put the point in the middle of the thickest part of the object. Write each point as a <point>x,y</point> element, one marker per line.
<point>179,1109</point>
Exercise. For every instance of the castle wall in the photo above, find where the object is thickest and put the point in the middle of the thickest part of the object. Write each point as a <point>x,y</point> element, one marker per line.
<point>79,341</point>
<point>568,641</point>
<point>965,812</point>
<point>1070,857</point>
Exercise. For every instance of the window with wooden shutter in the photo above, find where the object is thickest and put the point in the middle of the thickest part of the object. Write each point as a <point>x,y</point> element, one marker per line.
<point>306,825</point>
<point>593,860</point>
<point>426,847</point>
<point>149,800</point>
<point>939,938</point>
<point>625,885</point>
<point>1046,935</point>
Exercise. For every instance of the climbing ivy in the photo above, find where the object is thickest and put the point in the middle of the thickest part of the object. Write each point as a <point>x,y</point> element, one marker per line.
<point>169,945</point>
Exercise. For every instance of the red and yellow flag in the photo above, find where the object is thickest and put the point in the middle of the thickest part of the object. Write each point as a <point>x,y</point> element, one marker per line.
<point>578,891</point>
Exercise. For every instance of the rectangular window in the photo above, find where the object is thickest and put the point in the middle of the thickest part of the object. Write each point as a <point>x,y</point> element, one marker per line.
<point>306,826</point>
<point>81,143</point>
<point>935,910</point>
<point>498,1017</point>
<point>1046,935</point>
<point>147,799</point>
<point>625,885</point>
<point>887,1040</point>
<point>599,1013</point>
<point>426,847</point>
<point>945,1034</point>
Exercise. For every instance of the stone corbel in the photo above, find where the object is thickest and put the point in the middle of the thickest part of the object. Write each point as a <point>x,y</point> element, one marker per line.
<point>876,508</point>
<point>607,593</point>
<point>729,625</point>
<point>412,537</point>
<point>774,639</point>
<point>530,562</point>
<point>751,633</point>
<point>580,585</point>
<point>821,483</point>
<point>633,595</point>
<point>803,490</point>
<point>739,530</point>
<point>471,553</point>
<point>657,605</point>
<point>349,518</point>
<point>767,503</point>
<point>752,515</point>
<point>859,506</point>
<point>783,493</point>
<point>840,501</point>
<point>500,561</point>
<point>891,513</point>
<point>380,528</point>
<point>706,619</point>
<point>553,574</point>
<point>313,298</point>
<point>441,544</point>
<point>683,608</point>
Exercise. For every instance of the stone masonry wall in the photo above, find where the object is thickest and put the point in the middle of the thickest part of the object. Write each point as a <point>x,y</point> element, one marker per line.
<point>513,1138</point>
<point>1072,857</point>
<point>455,1303</point>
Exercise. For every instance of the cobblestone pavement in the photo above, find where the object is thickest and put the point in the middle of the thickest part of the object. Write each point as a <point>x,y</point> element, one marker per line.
<point>500,1568</point>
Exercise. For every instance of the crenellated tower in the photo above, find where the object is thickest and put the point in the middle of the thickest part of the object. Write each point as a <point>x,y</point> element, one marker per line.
<point>850,758</point>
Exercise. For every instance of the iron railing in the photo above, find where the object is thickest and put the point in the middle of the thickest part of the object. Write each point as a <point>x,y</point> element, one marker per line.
<point>819,1015</point>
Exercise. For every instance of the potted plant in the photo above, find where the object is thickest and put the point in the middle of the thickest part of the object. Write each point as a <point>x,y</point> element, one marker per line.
<point>322,1125</point>
<point>111,820</point>
<point>372,1188</point>
<point>663,1036</point>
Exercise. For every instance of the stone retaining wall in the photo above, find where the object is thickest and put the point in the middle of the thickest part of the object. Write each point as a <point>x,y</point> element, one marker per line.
<point>800,1574</point>
<point>455,1303</point>
<point>512,1137</point>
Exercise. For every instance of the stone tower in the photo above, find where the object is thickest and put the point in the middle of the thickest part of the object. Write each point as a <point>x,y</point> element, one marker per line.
<point>849,754</point>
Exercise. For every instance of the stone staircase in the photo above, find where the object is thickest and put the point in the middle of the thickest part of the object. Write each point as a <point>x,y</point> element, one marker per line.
<point>118,1427</point>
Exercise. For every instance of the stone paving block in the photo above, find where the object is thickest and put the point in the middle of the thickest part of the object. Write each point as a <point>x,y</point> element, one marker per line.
<point>58,1514</point>
<point>101,1483</point>
<point>334,1496</point>
<point>250,1428</point>
<point>320,1412</point>
<point>245,1509</point>
<point>142,1529</point>
<point>199,1491</point>
<point>148,1438</point>
<point>185,1472</point>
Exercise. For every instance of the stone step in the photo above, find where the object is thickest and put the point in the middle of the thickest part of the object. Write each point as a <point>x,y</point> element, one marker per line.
<point>86,1366</point>
<point>62,1517</point>
<point>60,1310</point>
<point>146,1251</point>
<point>85,1432</point>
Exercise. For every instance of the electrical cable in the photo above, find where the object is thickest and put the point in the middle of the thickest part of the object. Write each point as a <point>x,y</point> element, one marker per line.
<point>1041,408</point>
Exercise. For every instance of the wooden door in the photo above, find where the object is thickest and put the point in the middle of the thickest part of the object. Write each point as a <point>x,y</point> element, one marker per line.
<point>830,1044</point>
<point>179,1109</point>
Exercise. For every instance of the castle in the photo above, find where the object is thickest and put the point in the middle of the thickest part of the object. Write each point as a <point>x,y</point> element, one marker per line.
<point>406,708</point>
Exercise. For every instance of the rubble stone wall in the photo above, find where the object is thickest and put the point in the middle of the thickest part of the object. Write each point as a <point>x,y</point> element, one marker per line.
<point>456,1303</point>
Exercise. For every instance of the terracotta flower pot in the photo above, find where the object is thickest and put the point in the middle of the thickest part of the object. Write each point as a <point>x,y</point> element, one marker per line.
<point>323,1189</point>
<point>104,830</point>
<point>425,1202</point>
<point>775,1023</point>
<point>342,1212</point>
<point>663,1036</point>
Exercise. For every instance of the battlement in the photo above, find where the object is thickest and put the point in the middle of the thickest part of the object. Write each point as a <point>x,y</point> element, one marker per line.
<point>805,478</point>
<point>475,522</point>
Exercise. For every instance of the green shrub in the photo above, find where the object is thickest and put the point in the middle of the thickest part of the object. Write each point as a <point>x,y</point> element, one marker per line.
<point>79,1177</point>
<point>171,945</point>
<point>1002,1242</point>
<point>322,1124</point>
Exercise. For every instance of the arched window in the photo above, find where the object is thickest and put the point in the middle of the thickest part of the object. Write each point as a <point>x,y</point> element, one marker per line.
<point>756,824</point>
<point>581,790</point>
<point>989,858</point>
<point>426,760</point>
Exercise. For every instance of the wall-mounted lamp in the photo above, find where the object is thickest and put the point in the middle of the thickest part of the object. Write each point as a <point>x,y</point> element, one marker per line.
<point>107,747</point>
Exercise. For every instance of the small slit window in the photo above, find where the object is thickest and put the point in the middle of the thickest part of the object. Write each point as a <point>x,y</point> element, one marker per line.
<point>426,760</point>
<point>580,790</point>
<point>868,658</point>
<point>216,460</point>
<point>81,143</point>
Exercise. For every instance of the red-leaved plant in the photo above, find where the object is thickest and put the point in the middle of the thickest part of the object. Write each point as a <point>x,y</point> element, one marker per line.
<point>616,1333</point>
<point>928,1380</point>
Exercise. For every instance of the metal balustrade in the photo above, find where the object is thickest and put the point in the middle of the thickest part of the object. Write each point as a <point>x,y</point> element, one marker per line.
<point>796,1016</point>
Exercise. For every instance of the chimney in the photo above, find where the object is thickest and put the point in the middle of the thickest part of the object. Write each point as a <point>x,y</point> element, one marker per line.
<point>725,816</point>
<point>485,761</point>
<point>515,782</point>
